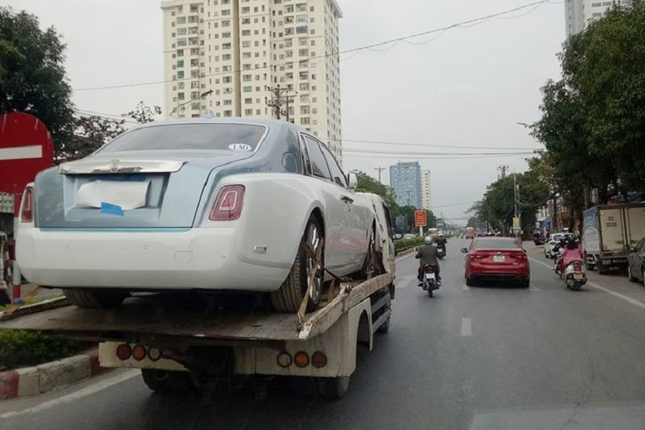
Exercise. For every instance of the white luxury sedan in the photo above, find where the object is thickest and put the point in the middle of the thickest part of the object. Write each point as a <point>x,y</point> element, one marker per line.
<point>201,204</point>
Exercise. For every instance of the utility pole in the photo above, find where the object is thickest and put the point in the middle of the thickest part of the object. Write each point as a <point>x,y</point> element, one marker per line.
<point>380,169</point>
<point>503,169</point>
<point>280,97</point>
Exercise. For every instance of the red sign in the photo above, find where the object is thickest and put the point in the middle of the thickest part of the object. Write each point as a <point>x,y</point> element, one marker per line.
<point>26,148</point>
<point>420,219</point>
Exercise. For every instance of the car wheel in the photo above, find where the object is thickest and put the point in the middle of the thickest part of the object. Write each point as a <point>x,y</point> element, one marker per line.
<point>94,299</point>
<point>370,267</point>
<point>163,381</point>
<point>470,282</point>
<point>629,274</point>
<point>525,283</point>
<point>305,271</point>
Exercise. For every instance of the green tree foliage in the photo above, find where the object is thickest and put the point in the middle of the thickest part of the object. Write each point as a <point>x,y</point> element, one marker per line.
<point>367,184</point>
<point>593,120</point>
<point>143,113</point>
<point>32,75</point>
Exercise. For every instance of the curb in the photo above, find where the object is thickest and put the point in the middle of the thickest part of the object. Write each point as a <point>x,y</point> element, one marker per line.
<point>31,381</point>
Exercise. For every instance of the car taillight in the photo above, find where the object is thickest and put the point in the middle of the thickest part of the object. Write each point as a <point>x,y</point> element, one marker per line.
<point>27,209</point>
<point>228,204</point>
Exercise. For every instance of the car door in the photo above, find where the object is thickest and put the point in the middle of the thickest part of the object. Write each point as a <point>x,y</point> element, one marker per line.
<point>335,208</point>
<point>635,259</point>
<point>358,215</point>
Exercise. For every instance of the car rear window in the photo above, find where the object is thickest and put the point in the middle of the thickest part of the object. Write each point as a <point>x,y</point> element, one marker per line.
<point>496,244</point>
<point>234,137</point>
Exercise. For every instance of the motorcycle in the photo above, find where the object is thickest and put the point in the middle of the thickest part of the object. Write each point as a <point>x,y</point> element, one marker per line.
<point>441,252</point>
<point>430,281</point>
<point>539,239</point>
<point>574,275</point>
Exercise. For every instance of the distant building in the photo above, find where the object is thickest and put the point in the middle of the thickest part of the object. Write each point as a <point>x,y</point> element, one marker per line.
<point>580,13</point>
<point>426,190</point>
<point>405,180</point>
<point>225,56</point>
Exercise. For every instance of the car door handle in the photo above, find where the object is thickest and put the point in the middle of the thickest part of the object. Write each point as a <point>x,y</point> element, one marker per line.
<point>347,199</point>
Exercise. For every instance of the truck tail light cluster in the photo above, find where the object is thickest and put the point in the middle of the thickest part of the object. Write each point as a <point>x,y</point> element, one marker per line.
<point>137,352</point>
<point>27,208</point>
<point>318,359</point>
<point>228,204</point>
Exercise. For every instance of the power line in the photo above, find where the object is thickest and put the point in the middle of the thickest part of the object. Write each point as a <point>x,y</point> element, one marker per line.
<point>423,145</point>
<point>397,153</point>
<point>412,157</point>
<point>535,5</point>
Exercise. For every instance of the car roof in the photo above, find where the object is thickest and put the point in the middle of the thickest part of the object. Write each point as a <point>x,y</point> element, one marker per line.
<point>270,123</point>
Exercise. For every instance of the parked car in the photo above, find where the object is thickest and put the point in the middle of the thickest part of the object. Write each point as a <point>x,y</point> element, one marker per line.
<point>496,259</point>
<point>636,262</point>
<point>198,204</point>
<point>554,238</point>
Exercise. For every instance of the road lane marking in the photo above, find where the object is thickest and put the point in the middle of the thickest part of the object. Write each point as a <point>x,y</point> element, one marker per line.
<point>466,327</point>
<point>465,287</point>
<point>601,288</point>
<point>77,395</point>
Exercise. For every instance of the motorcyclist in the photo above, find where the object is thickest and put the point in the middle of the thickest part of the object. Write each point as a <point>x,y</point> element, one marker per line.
<point>441,243</point>
<point>572,252</point>
<point>427,256</point>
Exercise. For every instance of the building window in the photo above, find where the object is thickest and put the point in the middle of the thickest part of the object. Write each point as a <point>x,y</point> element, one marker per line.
<point>247,89</point>
<point>248,112</point>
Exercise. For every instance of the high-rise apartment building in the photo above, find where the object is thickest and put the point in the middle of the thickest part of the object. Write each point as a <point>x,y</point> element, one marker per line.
<point>579,13</point>
<point>405,180</point>
<point>227,55</point>
<point>426,190</point>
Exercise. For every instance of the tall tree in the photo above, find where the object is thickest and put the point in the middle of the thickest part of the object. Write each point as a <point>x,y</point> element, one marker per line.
<point>367,184</point>
<point>143,113</point>
<point>32,75</point>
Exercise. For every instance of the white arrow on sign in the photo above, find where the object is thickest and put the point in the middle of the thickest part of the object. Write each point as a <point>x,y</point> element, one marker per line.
<point>21,152</point>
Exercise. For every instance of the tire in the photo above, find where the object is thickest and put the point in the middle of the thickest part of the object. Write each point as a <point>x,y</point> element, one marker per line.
<point>430,292</point>
<point>385,327</point>
<point>163,381</point>
<point>94,299</point>
<point>629,274</point>
<point>602,269</point>
<point>525,283</point>
<point>588,266</point>
<point>288,297</point>
<point>470,282</point>
<point>336,388</point>
<point>371,250</point>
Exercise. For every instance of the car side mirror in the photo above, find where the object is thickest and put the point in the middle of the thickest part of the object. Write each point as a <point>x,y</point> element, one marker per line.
<point>464,250</point>
<point>352,181</point>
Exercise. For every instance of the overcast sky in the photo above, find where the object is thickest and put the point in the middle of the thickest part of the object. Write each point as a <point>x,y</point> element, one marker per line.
<point>468,87</point>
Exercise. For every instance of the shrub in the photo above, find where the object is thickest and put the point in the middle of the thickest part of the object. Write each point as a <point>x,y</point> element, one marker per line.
<point>20,348</point>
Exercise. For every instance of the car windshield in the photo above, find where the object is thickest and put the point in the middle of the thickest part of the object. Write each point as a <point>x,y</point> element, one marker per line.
<point>234,137</point>
<point>496,244</point>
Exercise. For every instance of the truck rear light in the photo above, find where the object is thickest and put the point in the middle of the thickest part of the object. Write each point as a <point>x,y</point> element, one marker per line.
<point>139,352</point>
<point>284,359</point>
<point>154,354</point>
<point>27,209</point>
<point>123,351</point>
<point>318,359</point>
<point>301,359</point>
<point>228,204</point>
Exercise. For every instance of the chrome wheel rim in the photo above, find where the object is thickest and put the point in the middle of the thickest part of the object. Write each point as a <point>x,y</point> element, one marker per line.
<point>313,267</point>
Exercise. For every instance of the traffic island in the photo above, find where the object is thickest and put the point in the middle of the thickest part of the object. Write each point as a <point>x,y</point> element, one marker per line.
<point>31,381</point>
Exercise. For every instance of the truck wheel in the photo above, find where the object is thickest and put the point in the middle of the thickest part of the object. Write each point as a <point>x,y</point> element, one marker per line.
<point>602,269</point>
<point>163,381</point>
<point>288,298</point>
<point>94,299</point>
<point>589,266</point>
<point>336,388</point>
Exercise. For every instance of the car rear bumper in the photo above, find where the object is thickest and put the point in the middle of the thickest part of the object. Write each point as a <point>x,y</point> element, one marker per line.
<point>199,258</point>
<point>481,271</point>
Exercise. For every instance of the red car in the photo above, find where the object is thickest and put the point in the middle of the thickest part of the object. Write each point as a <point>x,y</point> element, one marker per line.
<point>497,259</point>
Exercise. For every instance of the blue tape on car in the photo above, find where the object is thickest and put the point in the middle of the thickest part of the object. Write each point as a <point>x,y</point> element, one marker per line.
<point>110,209</point>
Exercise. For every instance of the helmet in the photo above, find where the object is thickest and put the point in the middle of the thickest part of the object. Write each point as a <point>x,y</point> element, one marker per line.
<point>428,240</point>
<point>572,244</point>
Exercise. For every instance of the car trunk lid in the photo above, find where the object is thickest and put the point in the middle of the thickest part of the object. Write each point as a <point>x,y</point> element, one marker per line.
<point>134,189</point>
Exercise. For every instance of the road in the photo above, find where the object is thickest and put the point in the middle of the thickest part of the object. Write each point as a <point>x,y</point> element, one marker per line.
<point>470,358</point>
